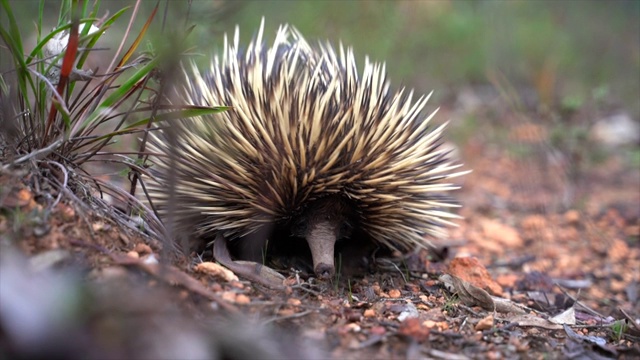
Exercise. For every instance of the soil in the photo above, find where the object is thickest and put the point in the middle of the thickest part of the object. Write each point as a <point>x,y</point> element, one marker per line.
<point>545,264</point>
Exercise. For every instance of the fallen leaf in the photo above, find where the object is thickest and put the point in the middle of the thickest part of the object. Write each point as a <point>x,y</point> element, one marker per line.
<point>527,320</point>
<point>469,295</point>
<point>484,324</point>
<point>567,317</point>
<point>216,270</point>
<point>472,271</point>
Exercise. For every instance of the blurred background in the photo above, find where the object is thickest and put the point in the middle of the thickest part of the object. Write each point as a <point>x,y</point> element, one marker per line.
<point>552,85</point>
<point>551,53</point>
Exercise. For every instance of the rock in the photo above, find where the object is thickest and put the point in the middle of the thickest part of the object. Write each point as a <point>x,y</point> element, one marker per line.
<point>616,130</point>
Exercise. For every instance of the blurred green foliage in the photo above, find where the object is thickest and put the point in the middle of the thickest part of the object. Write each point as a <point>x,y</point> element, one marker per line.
<point>563,50</point>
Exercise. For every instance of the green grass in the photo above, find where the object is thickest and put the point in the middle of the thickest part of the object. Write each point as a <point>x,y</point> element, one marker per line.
<point>618,329</point>
<point>554,48</point>
<point>62,117</point>
<point>447,44</point>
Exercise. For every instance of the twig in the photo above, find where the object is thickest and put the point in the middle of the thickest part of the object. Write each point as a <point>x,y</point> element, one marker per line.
<point>575,299</point>
<point>630,319</point>
<point>395,266</point>
<point>307,289</point>
<point>45,150</point>
<point>292,316</point>
<point>62,186</point>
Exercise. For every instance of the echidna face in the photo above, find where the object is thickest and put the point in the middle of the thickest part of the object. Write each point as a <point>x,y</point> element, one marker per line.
<point>323,222</point>
<point>305,125</point>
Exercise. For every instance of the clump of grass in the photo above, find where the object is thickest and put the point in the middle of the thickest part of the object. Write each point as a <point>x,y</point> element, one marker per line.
<point>59,119</point>
<point>618,329</point>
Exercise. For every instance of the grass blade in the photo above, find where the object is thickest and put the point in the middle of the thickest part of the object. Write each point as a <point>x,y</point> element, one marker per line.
<point>136,42</point>
<point>67,67</point>
<point>188,112</point>
<point>118,94</point>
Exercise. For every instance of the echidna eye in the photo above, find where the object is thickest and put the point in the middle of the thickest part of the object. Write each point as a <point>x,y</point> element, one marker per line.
<point>345,230</point>
<point>298,229</point>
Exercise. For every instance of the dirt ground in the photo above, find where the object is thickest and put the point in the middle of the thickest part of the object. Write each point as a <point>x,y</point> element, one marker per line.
<point>545,264</point>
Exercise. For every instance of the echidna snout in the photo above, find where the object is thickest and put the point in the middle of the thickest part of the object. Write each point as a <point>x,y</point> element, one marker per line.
<point>323,223</point>
<point>321,239</point>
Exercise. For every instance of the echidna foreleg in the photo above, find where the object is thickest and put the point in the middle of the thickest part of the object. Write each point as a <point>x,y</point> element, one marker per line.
<point>247,269</point>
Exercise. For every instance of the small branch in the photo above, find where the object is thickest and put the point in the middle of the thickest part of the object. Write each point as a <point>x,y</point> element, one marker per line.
<point>292,316</point>
<point>39,152</point>
<point>63,186</point>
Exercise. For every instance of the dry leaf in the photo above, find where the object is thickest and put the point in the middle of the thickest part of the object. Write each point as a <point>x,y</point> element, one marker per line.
<point>485,324</point>
<point>217,270</point>
<point>469,295</point>
<point>566,317</point>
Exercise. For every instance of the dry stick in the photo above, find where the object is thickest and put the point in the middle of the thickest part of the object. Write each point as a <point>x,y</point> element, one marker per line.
<point>63,185</point>
<point>307,289</point>
<point>155,106</point>
<point>167,231</point>
<point>394,266</point>
<point>153,208</point>
<point>143,143</point>
<point>36,153</point>
<point>83,89</point>
<point>172,140</point>
<point>292,316</point>
<point>578,302</point>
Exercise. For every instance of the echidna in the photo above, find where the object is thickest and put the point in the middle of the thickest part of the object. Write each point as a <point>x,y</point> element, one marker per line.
<point>310,149</point>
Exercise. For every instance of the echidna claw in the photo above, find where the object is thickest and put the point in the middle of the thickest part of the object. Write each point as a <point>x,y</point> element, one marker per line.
<point>249,270</point>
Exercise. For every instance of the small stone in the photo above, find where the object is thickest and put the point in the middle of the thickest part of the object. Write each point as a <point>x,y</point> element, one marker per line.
<point>67,212</point>
<point>353,327</point>
<point>376,289</point>
<point>485,324</point>
<point>98,226</point>
<point>143,249</point>
<point>242,299</point>
<point>615,130</point>
<point>229,296</point>
<point>572,217</point>
<point>429,323</point>
<point>294,302</point>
